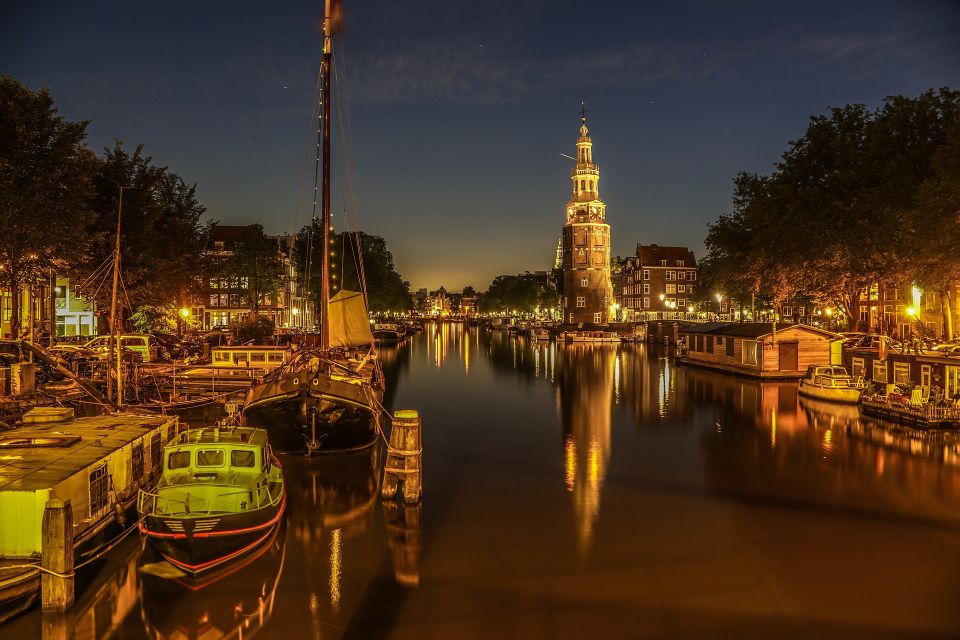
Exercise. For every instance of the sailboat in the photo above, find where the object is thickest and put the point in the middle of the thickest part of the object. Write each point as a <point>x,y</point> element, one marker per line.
<point>328,397</point>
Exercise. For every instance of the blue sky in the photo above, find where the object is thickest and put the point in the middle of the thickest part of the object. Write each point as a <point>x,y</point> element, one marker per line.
<point>459,110</point>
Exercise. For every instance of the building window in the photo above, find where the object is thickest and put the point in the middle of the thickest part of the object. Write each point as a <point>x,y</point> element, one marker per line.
<point>598,318</point>
<point>581,302</point>
<point>681,303</point>
<point>681,288</point>
<point>663,263</point>
<point>646,303</point>
<point>671,288</point>
<point>584,282</point>
<point>679,263</point>
<point>646,274</point>
<point>682,275</point>
<point>671,275</point>
<point>646,289</point>
<point>788,312</point>
<point>691,275</point>
<point>571,317</point>
<point>671,301</point>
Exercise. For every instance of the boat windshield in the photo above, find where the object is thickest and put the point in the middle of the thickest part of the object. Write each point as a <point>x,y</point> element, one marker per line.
<point>242,458</point>
<point>209,457</point>
<point>178,460</point>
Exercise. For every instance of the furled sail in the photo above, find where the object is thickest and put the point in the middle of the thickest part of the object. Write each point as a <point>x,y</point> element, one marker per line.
<point>349,323</point>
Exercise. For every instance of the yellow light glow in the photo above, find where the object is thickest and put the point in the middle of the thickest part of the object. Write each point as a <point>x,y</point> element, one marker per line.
<point>185,312</point>
<point>911,311</point>
<point>829,311</point>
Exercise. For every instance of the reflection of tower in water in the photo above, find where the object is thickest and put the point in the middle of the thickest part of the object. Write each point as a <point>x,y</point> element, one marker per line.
<point>586,390</point>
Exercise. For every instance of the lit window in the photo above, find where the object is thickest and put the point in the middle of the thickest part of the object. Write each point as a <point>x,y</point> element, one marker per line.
<point>671,275</point>
<point>646,288</point>
<point>584,282</point>
<point>646,274</point>
<point>646,303</point>
<point>671,288</point>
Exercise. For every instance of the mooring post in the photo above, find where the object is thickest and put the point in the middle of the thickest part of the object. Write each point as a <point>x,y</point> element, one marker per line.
<point>404,458</point>
<point>56,556</point>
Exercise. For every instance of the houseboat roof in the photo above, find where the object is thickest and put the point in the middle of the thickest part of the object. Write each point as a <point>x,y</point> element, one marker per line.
<point>754,329</point>
<point>40,455</point>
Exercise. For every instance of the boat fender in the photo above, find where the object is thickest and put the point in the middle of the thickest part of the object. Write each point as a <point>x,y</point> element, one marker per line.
<point>296,381</point>
<point>315,381</point>
<point>120,515</point>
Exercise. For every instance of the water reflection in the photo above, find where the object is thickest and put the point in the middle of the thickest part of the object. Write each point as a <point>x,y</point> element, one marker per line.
<point>235,603</point>
<point>585,390</point>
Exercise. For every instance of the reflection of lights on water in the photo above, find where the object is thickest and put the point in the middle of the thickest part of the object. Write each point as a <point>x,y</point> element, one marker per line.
<point>466,354</point>
<point>662,391</point>
<point>593,467</point>
<point>536,361</point>
<point>335,550</point>
<point>773,428</point>
<point>828,439</point>
<point>570,462</point>
<point>315,615</point>
<point>616,379</point>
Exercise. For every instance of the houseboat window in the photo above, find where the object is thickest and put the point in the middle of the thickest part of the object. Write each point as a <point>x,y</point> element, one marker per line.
<point>258,357</point>
<point>178,460</point>
<point>99,487</point>
<point>156,452</point>
<point>275,357</point>
<point>856,367</point>
<point>209,457</point>
<point>749,352</point>
<point>220,356</point>
<point>901,372</point>
<point>239,357</point>
<point>242,458</point>
<point>136,459</point>
<point>879,371</point>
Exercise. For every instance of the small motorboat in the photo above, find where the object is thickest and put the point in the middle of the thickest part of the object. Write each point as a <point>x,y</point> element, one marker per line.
<point>220,497</point>
<point>831,383</point>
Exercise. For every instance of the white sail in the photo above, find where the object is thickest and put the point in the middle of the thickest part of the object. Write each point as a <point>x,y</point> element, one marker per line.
<point>348,320</point>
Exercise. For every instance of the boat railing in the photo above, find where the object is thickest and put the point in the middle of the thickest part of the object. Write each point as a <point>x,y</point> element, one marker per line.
<point>151,503</point>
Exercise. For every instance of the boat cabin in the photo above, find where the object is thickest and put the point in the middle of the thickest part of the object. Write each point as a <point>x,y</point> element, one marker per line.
<point>755,349</point>
<point>260,357</point>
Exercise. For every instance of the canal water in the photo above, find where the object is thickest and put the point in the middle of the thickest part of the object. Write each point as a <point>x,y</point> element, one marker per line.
<point>583,492</point>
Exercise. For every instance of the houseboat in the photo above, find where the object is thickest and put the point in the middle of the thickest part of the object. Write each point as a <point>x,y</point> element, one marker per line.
<point>759,349</point>
<point>389,332</point>
<point>591,337</point>
<point>250,356</point>
<point>831,383</point>
<point>220,497</point>
<point>96,463</point>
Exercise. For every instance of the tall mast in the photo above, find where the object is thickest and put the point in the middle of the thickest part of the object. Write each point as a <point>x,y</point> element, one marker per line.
<point>114,336</point>
<point>325,208</point>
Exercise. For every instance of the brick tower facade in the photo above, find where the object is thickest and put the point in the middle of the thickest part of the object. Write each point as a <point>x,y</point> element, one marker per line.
<point>587,293</point>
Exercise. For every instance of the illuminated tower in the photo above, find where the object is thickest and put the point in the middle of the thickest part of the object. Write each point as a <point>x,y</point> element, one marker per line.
<point>587,294</point>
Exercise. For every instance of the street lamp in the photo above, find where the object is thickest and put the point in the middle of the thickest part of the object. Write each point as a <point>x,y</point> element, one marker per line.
<point>184,314</point>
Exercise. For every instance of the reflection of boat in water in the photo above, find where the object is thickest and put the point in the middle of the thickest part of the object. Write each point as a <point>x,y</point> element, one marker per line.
<point>220,497</point>
<point>236,602</point>
<point>831,383</point>
<point>833,413</point>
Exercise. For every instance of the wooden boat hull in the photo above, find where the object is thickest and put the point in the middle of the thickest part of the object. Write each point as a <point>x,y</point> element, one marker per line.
<point>336,413</point>
<point>202,543</point>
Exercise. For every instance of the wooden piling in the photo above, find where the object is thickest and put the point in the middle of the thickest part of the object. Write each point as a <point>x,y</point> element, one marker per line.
<point>404,458</point>
<point>56,556</point>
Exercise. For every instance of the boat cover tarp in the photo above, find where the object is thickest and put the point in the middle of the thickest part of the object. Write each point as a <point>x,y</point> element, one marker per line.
<point>349,322</point>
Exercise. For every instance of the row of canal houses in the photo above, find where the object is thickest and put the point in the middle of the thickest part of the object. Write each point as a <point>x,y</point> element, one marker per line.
<point>784,351</point>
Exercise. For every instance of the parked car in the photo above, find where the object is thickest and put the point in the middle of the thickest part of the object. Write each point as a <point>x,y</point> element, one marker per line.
<point>872,343</point>
<point>850,338</point>
<point>140,343</point>
<point>947,347</point>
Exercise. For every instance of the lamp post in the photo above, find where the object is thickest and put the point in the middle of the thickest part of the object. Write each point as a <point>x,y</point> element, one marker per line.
<point>181,319</point>
<point>719,298</point>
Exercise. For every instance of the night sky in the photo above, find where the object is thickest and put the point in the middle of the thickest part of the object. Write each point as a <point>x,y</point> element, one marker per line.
<point>459,110</point>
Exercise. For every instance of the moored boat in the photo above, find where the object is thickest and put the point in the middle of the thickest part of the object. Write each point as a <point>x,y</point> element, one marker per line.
<point>831,383</point>
<point>590,337</point>
<point>220,497</point>
<point>389,332</point>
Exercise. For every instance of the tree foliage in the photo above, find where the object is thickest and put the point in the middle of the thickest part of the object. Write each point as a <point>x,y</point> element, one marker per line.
<point>255,261</point>
<point>161,235</point>
<point>356,258</point>
<point>45,185</point>
<point>521,293</point>
<point>852,203</point>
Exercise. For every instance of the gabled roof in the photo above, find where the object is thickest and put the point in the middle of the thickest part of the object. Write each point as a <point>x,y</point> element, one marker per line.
<point>652,254</point>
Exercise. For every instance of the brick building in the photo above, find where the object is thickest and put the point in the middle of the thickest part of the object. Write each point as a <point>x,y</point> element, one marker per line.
<point>656,280</point>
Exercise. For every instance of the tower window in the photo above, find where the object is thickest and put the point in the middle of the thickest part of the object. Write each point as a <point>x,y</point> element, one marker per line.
<point>591,185</point>
<point>583,185</point>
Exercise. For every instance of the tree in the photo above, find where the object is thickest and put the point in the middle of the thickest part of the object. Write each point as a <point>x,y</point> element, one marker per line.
<point>374,274</point>
<point>161,236</point>
<point>45,183</point>
<point>256,264</point>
